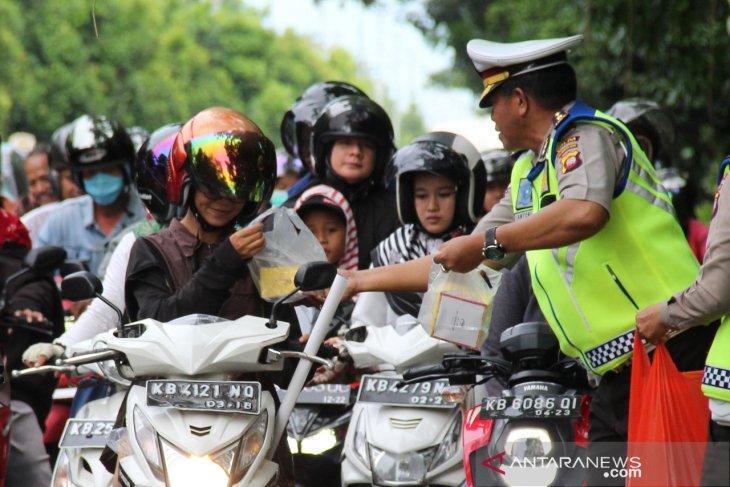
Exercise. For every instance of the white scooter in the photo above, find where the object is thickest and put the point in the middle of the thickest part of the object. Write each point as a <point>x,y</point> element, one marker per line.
<point>188,422</point>
<point>402,435</point>
<point>85,435</point>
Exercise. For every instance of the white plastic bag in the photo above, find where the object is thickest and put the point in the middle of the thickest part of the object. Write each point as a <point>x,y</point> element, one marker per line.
<point>458,307</point>
<point>289,245</point>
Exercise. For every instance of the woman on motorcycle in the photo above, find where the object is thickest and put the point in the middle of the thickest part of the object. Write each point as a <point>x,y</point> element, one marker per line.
<point>440,183</point>
<point>222,168</point>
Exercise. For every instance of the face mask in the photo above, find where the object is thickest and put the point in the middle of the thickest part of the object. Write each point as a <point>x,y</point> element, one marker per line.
<point>104,188</point>
<point>279,197</point>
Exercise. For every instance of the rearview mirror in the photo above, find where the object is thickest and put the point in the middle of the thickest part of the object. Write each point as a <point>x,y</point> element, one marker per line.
<point>44,260</point>
<point>315,276</point>
<point>71,266</point>
<point>81,286</point>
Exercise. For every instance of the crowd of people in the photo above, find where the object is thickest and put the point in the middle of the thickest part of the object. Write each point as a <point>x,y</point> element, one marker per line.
<point>583,208</point>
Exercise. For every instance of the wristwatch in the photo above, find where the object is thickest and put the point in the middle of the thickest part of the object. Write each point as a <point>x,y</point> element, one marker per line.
<point>492,249</point>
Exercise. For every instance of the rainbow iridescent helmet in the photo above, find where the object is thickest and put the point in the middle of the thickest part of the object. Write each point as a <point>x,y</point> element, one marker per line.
<point>223,153</point>
<point>296,125</point>
<point>150,170</point>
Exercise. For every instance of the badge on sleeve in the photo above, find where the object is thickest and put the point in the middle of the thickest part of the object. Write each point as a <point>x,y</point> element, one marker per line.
<point>568,154</point>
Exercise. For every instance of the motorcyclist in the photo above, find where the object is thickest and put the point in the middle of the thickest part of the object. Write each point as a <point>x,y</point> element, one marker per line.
<point>222,170</point>
<point>61,179</point>
<point>296,125</point>
<point>101,155</point>
<point>35,297</point>
<point>440,183</point>
<point>498,163</point>
<point>150,172</point>
<point>352,142</point>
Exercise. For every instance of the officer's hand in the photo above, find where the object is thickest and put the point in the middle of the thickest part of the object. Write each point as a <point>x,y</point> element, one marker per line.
<point>30,315</point>
<point>249,241</point>
<point>461,254</point>
<point>649,324</point>
<point>39,353</point>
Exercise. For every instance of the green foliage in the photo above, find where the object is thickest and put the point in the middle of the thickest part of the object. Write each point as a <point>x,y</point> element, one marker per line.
<point>153,62</point>
<point>411,126</point>
<point>676,52</point>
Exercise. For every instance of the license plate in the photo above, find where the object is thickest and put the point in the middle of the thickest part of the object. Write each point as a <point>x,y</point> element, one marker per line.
<point>323,394</point>
<point>236,397</point>
<point>86,433</point>
<point>545,406</point>
<point>385,390</point>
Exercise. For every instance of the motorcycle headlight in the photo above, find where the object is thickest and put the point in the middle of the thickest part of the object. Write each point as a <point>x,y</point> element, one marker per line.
<point>232,461</point>
<point>450,444</point>
<point>320,442</point>
<point>62,473</point>
<point>147,440</point>
<point>527,450</point>
<point>361,441</point>
<point>404,468</point>
<point>188,470</point>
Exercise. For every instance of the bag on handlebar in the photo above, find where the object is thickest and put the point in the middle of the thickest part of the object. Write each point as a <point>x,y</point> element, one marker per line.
<point>289,245</point>
<point>458,307</point>
<point>668,418</point>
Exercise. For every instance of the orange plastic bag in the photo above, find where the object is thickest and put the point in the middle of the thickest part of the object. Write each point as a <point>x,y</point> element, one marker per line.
<point>668,419</point>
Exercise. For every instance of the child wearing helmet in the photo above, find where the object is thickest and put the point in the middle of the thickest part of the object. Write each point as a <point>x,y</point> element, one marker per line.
<point>352,141</point>
<point>440,184</point>
<point>329,217</point>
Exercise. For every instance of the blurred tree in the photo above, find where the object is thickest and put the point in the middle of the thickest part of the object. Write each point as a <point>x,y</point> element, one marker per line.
<point>411,126</point>
<point>152,62</point>
<point>676,52</point>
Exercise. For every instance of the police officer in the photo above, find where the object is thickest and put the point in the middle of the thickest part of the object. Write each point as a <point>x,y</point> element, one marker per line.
<point>587,207</point>
<point>705,301</point>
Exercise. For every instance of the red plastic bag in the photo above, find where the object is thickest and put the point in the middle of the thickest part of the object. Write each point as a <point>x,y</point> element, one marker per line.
<point>668,420</point>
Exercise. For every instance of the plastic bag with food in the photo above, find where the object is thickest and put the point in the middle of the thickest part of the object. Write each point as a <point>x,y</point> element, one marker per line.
<point>458,307</point>
<point>289,245</point>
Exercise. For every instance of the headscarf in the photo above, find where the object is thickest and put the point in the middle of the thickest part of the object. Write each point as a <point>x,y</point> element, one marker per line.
<point>13,233</point>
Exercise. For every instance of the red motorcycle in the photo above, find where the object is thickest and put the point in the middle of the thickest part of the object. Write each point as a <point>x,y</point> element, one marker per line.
<point>524,436</point>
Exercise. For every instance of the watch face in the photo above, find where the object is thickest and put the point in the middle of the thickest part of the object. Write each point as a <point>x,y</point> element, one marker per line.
<point>493,252</point>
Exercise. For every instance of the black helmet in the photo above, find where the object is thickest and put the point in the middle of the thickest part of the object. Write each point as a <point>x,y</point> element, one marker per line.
<point>498,164</point>
<point>59,153</point>
<point>647,117</point>
<point>222,152</point>
<point>352,116</point>
<point>150,171</point>
<point>296,126</point>
<point>445,154</point>
<point>98,142</point>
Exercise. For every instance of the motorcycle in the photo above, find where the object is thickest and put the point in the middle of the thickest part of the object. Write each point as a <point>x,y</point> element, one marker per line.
<point>39,262</point>
<point>188,421</point>
<point>402,435</point>
<point>541,417</point>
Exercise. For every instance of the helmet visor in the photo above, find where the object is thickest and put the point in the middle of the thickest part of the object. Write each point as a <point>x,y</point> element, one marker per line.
<point>233,165</point>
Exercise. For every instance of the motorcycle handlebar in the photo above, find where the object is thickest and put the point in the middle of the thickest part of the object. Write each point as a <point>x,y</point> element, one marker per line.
<point>43,327</point>
<point>424,371</point>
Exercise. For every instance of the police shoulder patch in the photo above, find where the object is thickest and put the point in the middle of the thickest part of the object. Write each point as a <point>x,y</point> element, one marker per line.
<point>568,154</point>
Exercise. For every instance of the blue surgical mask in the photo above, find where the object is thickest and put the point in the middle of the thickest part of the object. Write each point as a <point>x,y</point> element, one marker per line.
<point>104,188</point>
<point>279,197</point>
